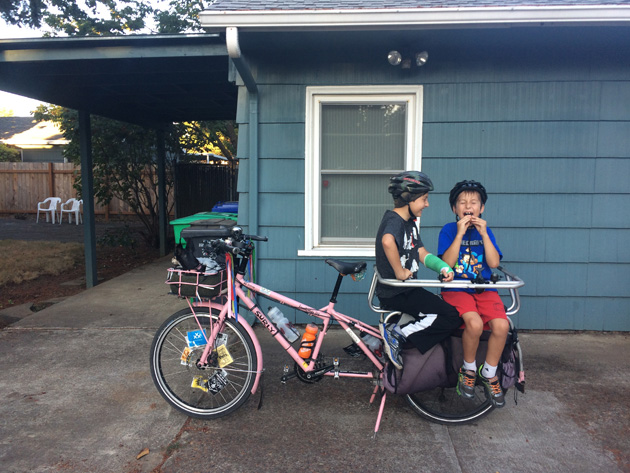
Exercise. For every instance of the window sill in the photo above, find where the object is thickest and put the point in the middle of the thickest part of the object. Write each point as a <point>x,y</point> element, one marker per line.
<point>337,251</point>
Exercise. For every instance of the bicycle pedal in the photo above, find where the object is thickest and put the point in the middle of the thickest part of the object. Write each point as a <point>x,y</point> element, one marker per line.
<point>336,365</point>
<point>287,376</point>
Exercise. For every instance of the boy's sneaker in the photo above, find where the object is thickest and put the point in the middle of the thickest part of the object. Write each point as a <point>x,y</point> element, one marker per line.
<point>466,383</point>
<point>493,388</point>
<point>392,340</point>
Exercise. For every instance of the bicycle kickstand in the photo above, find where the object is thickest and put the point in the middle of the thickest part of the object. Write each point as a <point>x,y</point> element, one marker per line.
<point>380,414</point>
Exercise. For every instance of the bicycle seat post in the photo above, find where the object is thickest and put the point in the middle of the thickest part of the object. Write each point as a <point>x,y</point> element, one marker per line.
<point>333,298</point>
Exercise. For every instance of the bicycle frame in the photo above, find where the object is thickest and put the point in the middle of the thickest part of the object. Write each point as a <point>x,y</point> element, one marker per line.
<point>327,314</point>
<point>223,304</point>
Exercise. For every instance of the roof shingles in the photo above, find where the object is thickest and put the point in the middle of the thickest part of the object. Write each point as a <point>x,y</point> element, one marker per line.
<point>257,5</point>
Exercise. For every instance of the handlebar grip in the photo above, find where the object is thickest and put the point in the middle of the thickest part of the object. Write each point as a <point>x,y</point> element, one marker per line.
<point>225,247</point>
<point>256,237</point>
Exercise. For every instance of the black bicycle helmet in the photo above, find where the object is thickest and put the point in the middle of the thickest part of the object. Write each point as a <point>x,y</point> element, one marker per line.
<point>414,182</point>
<point>467,186</point>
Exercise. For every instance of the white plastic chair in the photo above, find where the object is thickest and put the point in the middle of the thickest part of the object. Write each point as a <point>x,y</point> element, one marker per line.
<point>48,206</point>
<point>71,206</point>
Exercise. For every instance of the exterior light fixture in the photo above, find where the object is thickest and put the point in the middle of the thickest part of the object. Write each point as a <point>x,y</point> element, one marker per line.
<point>421,58</point>
<point>394,58</point>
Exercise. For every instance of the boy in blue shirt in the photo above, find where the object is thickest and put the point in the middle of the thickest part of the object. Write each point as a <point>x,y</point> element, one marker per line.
<point>426,319</point>
<point>469,247</point>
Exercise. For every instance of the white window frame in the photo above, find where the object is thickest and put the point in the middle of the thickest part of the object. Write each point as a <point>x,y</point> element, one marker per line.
<point>315,97</point>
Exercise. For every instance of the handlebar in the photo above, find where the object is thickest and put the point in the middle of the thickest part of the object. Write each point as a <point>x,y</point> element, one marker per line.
<point>512,283</point>
<point>234,241</point>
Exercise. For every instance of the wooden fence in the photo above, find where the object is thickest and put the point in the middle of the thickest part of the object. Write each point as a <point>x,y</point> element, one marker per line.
<point>23,185</point>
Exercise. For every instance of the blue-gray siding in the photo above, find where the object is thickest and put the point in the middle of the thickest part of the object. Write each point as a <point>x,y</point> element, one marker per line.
<point>548,134</point>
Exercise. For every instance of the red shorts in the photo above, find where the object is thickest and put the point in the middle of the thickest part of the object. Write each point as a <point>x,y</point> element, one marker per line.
<point>488,304</point>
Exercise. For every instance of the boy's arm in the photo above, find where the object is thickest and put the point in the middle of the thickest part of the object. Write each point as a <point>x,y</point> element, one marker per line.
<point>391,252</point>
<point>436,264</point>
<point>451,255</point>
<point>489,250</point>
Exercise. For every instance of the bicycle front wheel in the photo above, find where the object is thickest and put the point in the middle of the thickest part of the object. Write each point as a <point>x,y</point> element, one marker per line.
<point>215,389</point>
<point>445,406</point>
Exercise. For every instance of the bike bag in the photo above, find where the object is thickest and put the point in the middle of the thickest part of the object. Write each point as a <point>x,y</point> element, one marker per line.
<point>420,372</point>
<point>439,366</point>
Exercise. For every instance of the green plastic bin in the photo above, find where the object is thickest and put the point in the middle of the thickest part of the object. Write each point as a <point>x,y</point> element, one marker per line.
<point>184,222</point>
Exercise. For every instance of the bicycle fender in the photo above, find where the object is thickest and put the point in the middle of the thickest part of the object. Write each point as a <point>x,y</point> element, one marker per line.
<point>259,357</point>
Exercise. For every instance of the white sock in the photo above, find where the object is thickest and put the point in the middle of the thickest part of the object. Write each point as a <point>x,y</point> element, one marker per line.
<point>470,366</point>
<point>488,371</point>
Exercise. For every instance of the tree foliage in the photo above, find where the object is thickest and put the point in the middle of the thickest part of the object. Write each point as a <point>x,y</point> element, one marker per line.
<point>9,154</point>
<point>124,162</point>
<point>123,154</point>
<point>124,158</point>
<point>104,17</point>
<point>216,137</point>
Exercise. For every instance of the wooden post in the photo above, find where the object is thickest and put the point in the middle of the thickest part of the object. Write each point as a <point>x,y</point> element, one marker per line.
<point>51,181</point>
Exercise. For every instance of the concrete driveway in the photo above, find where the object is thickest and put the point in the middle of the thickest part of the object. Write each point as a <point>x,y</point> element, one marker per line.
<point>77,396</point>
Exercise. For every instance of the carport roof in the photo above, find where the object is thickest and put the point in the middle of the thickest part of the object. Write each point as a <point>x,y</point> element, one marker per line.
<point>148,80</point>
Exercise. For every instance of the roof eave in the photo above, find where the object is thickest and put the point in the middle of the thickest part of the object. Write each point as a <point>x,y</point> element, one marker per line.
<point>390,18</point>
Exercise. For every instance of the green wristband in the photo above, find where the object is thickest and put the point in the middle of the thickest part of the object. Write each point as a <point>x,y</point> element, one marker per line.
<point>436,264</point>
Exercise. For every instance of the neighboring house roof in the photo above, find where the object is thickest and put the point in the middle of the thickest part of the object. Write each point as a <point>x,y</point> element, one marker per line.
<point>25,132</point>
<point>268,15</point>
<point>9,126</point>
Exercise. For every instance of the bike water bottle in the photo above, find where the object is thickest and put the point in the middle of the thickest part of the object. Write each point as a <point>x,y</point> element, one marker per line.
<point>283,324</point>
<point>308,341</point>
<point>374,344</point>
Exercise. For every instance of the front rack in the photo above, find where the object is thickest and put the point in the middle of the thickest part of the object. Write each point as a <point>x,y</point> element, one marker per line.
<point>511,284</point>
<point>185,283</point>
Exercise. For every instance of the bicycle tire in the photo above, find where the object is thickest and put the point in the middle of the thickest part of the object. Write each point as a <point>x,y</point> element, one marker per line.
<point>445,406</point>
<point>174,377</point>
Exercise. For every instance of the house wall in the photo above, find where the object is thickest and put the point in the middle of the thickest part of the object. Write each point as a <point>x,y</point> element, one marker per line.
<point>52,155</point>
<point>540,116</point>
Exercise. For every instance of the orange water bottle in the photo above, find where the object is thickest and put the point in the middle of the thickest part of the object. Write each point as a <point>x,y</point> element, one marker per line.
<point>308,341</point>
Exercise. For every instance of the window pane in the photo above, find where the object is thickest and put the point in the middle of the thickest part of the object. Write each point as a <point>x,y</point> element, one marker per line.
<point>352,206</point>
<point>363,136</point>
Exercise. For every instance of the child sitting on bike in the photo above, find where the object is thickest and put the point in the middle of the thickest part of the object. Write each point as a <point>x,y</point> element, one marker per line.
<point>420,316</point>
<point>468,245</point>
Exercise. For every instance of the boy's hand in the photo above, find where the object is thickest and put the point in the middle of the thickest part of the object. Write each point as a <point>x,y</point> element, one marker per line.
<point>463,224</point>
<point>480,224</point>
<point>447,275</point>
<point>403,274</point>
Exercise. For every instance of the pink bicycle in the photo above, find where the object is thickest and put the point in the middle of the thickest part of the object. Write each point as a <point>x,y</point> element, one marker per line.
<point>206,359</point>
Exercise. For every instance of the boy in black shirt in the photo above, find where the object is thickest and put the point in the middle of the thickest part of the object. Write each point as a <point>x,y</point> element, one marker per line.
<point>426,319</point>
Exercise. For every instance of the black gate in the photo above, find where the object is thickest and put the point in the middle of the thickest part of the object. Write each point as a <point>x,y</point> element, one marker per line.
<point>198,187</point>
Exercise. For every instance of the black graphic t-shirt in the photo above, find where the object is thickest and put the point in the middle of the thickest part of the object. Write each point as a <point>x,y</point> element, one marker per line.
<point>407,237</point>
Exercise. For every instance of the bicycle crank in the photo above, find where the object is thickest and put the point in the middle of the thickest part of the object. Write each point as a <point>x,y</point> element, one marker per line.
<point>312,376</point>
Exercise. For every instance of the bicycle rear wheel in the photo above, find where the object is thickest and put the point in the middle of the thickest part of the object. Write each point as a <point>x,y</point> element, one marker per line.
<point>445,406</point>
<point>205,392</point>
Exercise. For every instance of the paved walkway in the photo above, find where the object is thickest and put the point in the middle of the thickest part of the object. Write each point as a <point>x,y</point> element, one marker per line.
<point>77,396</point>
